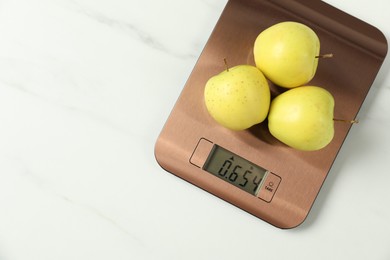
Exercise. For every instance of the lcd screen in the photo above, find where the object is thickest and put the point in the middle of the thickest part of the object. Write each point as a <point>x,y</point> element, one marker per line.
<point>234,169</point>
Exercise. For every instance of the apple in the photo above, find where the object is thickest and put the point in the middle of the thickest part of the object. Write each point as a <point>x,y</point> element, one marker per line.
<point>302,118</point>
<point>287,53</point>
<point>238,97</point>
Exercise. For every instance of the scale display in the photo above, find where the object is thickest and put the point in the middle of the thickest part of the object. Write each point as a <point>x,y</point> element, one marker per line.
<point>235,170</point>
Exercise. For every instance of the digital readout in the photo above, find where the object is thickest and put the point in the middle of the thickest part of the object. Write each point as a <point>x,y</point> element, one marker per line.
<point>234,169</point>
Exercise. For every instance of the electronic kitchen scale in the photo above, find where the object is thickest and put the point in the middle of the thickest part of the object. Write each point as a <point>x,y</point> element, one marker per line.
<point>250,168</point>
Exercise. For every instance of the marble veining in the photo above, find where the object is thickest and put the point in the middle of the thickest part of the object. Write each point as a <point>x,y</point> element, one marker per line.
<point>43,186</point>
<point>85,88</point>
<point>130,29</point>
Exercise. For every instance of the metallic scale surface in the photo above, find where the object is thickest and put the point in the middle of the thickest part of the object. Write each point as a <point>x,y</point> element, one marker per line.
<point>190,133</point>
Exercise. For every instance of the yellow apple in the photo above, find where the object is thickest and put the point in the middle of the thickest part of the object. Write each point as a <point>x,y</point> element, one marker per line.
<point>303,118</point>
<point>238,97</point>
<point>287,53</point>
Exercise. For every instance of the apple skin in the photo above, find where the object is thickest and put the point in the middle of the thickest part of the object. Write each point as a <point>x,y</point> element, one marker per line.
<point>287,53</point>
<point>238,98</point>
<point>302,118</point>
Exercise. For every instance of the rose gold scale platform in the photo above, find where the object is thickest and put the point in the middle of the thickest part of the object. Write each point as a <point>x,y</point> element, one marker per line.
<point>250,169</point>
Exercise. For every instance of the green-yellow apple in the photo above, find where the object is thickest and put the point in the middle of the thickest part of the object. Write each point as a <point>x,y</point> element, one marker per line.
<point>303,118</point>
<point>287,53</point>
<point>238,97</point>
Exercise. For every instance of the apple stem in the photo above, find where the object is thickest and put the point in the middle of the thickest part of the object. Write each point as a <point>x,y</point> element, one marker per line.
<point>328,55</point>
<point>226,64</point>
<point>346,121</point>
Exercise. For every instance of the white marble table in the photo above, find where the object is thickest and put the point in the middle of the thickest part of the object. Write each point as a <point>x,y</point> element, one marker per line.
<point>85,88</point>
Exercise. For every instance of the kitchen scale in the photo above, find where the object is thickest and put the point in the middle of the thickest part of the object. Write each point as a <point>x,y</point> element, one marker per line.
<point>250,168</point>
